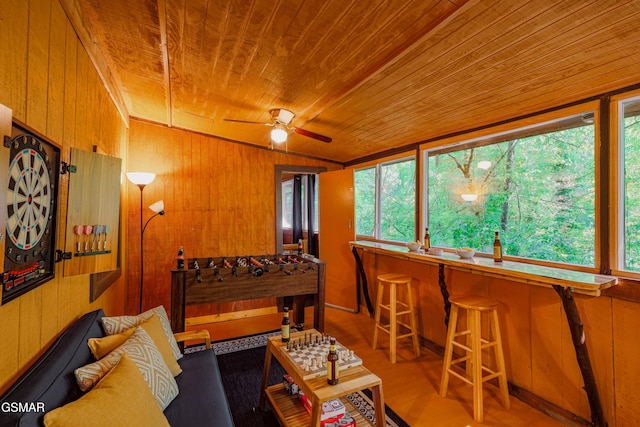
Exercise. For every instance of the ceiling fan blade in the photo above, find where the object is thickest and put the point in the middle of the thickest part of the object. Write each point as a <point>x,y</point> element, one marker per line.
<point>249,122</point>
<point>312,135</point>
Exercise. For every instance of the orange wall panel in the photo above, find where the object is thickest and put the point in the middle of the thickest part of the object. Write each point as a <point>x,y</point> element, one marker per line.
<point>47,80</point>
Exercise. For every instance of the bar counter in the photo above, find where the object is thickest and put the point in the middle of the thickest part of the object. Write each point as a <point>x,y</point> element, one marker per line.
<point>564,282</point>
<point>579,282</point>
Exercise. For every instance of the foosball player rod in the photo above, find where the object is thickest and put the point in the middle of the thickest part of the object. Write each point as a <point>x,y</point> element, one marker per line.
<point>283,269</point>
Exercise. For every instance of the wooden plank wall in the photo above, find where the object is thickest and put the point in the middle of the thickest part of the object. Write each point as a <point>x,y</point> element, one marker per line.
<point>219,200</point>
<point>48,81</point>
<point>538,350</point>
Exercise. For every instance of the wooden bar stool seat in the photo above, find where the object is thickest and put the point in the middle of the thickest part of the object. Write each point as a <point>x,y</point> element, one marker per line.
<point>406,309</point>
<point>476,373</point>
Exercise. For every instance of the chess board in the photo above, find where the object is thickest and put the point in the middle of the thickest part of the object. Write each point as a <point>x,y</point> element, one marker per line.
<point>303,351</point>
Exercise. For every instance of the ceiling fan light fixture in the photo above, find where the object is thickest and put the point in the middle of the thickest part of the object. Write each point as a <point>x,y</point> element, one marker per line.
<point>279,134</point>
<point>285,116</point>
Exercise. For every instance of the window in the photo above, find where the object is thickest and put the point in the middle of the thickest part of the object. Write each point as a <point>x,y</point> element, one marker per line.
<point>287,203</point>
<point>535,185</point>
<point>630,221</point>
<point>385,201</point>
<point>365,195</point>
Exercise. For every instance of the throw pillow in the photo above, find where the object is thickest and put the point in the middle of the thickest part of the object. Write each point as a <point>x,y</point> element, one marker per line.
<point>143,351</point>
<point>100,347</point>
<point>116,325</point>
<point>121,398</point>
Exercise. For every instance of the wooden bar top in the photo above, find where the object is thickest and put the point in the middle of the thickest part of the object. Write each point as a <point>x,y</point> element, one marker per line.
<point>538,275</point>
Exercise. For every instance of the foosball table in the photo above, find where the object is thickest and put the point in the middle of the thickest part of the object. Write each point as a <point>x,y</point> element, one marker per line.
<point>238,278</point>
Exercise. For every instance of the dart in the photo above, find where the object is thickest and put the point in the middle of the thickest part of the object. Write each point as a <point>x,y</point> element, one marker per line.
<point>87,231</point>
<point>78,229</point>
<point>94,236</point>
<point>105,230</point>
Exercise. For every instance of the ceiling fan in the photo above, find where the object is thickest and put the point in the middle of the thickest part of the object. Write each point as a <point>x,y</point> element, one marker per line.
<point>280,120</point>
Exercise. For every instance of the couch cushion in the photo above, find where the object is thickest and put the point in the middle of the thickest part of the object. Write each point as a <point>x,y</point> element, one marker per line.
<point>116,325</point>
<point>100,347</point>
<point>144,352</point>
<point>205,404</point>
<point>51,380</point>
<point>121,398</point>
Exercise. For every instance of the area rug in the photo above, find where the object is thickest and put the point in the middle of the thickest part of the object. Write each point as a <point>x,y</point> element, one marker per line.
<point>241,363</point>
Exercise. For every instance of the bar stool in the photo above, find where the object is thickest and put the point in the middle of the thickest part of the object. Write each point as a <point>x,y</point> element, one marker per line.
<point>475,344</point>
<point>393,280</point>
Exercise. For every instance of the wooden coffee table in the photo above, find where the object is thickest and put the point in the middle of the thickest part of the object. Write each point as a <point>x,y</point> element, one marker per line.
<point>289,409</point>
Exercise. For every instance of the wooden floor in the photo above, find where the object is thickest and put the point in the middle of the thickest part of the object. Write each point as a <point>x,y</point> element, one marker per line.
<point>411,386</point>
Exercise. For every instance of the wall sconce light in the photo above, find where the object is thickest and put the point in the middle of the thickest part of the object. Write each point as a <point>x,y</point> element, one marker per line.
<point>142,179</point>
<point>469,197</point>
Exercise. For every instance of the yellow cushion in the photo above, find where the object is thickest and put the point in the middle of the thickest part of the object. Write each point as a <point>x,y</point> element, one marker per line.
<point>121,398</point>
<point>100,347</point>
<point>144,352</point>
<point>119,324</point>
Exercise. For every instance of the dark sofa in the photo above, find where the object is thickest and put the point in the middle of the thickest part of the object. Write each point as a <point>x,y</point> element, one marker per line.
<point>51,383</point>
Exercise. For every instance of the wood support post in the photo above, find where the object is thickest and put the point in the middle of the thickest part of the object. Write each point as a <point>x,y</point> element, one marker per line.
<point>582,354</point>
<point>445,294</point>
<point>363,277</point>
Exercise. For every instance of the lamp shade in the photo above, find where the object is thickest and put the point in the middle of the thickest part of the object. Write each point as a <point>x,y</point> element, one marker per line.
<point>141,178</point>
<point>158,206</point>
<point>278,135</point>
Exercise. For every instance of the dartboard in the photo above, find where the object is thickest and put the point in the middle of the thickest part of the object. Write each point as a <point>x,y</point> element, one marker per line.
<point>31,213</point>
<point>29,199</point>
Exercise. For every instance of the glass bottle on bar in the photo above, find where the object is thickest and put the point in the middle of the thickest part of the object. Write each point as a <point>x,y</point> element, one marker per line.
<point>497,248</point>
<point>286,326</point>
<point>299,246</point>
<point>333,371</point>
<point>427,239</point>
<point>180,258</point>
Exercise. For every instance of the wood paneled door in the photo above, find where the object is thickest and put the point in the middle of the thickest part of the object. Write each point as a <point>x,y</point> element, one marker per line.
<point>337,229</point>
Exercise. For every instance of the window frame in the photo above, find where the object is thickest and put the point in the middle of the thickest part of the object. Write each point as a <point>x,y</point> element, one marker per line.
<point>377,166</point>
<point>617,185</point>
<point>468,138</point>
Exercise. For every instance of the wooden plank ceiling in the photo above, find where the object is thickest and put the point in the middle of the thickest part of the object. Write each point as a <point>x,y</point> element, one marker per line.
<point>373,75</point>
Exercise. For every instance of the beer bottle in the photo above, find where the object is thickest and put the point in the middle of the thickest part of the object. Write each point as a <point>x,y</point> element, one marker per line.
<point>333,371</point>
<point>286,326</point>
<point>497,248</point>
<point>299,246</point>
<point>427,239</point>
<point>180,258</point>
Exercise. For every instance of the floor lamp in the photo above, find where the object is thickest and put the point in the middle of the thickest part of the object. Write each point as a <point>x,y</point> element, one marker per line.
<point>142,179</point>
